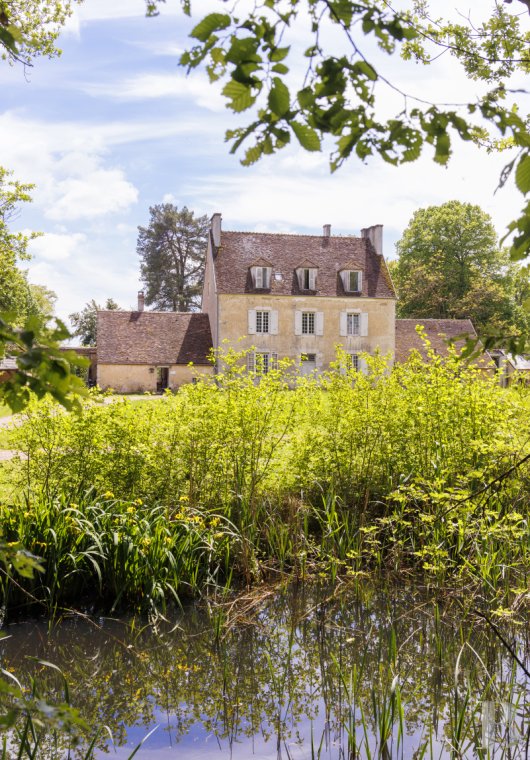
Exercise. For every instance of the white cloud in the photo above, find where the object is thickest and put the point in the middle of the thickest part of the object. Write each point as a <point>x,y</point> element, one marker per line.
<point>153,86</point>
<point>170,198</point>
<point>56,247</point>
<point>103,191</point>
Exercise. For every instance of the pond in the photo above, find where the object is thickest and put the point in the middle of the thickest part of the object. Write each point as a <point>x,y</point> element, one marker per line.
<point>290,672</point>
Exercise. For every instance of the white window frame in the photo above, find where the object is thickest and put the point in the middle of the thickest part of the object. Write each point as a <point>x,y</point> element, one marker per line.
<point>268,360</point>
<point>363,323</point>
<point>261,277</point>
<point>346,280</point>
<point>353,323</point>
<point>263,321</point>
<point>309,326</point>
<point>318,322</point>
<point>253,321</point>
<point>307,278</point>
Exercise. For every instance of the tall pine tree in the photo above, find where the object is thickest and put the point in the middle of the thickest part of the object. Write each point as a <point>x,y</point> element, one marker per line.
<point>172,252</point>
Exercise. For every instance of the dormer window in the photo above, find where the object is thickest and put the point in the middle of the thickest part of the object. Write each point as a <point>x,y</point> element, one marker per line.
<point>352,280</point>
<point>307,278</point>
<point>261,277</point>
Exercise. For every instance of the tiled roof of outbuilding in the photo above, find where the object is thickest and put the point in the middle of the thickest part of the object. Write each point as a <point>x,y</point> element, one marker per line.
<point>437,331</point>
<point>241,250</point>
<point>152,337</point>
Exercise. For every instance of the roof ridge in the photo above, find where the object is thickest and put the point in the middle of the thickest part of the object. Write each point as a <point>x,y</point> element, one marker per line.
<point>291,234</point>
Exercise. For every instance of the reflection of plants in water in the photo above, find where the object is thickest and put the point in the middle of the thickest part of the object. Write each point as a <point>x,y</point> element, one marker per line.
<point>380,676</point>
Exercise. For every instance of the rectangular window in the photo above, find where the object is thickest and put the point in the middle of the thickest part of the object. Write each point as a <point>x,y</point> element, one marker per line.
<point>354,361</point>
<point>308,323</point>
<point>352,280</point>
<point>262,362</point>
<point>353,324</point>
<point>307,278</point>
<point>262,321</point>
<point>262,277</point>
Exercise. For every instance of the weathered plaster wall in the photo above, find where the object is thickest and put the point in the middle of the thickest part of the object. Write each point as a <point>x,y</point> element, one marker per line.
<point>137,378</point>
<point>233,324</point>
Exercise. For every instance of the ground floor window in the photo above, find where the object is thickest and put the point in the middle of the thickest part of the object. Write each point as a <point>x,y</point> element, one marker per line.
<point>262,362</point>
<point>308,363</point>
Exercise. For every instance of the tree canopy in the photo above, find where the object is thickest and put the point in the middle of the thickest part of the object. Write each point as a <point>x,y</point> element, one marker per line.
<point>332,88</point>
<point>29,28</point>
<point>85,321</point>
<point>450,265</point>
<point>172,251</point>
<point>26,331</point>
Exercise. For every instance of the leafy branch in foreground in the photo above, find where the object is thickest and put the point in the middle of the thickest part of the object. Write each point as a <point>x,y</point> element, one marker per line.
<point>332,88</point>
<point>42,367</point>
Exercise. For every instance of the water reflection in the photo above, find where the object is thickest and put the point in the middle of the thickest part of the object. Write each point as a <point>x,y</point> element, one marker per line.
<point>298,673</point>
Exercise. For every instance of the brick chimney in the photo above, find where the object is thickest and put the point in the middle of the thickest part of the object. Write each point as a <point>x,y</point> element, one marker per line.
<point>141,300</point>
<point>375,235</point>
<point>215,228</point>
<point>327,230</point>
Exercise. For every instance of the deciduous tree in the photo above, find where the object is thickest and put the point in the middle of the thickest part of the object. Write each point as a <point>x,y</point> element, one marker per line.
<point>172,251</point>
<point>85,321</point>
<point>450,265</point>
<point>29,28</point>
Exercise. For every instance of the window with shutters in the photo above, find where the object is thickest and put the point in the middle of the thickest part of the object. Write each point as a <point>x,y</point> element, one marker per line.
<point>353,324</point>
<point>308,323</point>
<point>261,277</point>
<point>262,362</point>
<point>262,321</point>
<point>352,280</point>
<point>307,278</point>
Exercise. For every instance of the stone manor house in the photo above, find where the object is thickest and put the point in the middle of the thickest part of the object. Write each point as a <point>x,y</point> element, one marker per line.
<point>281,295</point>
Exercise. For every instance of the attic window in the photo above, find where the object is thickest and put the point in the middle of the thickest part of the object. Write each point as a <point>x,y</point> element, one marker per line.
<point>261,277</point>
<point>307,278</point>
<point>352,280</point>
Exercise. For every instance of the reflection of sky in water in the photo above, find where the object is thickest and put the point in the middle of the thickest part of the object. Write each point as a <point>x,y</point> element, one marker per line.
<point>221,699</point>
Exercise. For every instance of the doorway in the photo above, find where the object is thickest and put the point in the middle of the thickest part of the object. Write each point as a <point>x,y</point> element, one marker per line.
<point>162,379</point>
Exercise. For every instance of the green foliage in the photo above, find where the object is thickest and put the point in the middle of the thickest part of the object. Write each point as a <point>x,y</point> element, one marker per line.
<point>450,266</point>
<point>136,504</point>
<point>30,28</point>
<point>85,322</point>
<point>338,92</point>
<point>172,252</point>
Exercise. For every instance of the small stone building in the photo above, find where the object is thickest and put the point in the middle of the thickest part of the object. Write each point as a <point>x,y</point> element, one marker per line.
<point>149,351</point>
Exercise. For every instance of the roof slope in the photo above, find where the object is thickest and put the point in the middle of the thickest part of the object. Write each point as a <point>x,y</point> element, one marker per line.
<point>241,250</point>
<point>152,337</point>
<point>437,332</point>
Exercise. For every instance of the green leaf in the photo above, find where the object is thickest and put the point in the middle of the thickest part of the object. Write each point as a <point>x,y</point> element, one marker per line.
<point>252,155</point>
<point>278,54</point>
<point>7,39</point>
<point>522,174</point>
<point>367,69</point>
<point>279,98</point>
<point>443,148</point>
<point>239,94</point>
<point>211,23</point>
<point>280,68</point>
<point>306,135</point>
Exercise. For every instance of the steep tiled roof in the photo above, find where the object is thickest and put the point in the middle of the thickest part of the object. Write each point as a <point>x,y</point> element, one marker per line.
<point>437,331</point>
<point>152,337</point>
<point>240,250</point>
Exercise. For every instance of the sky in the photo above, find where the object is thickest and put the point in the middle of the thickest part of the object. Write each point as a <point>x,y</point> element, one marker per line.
<point>115,126</point>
